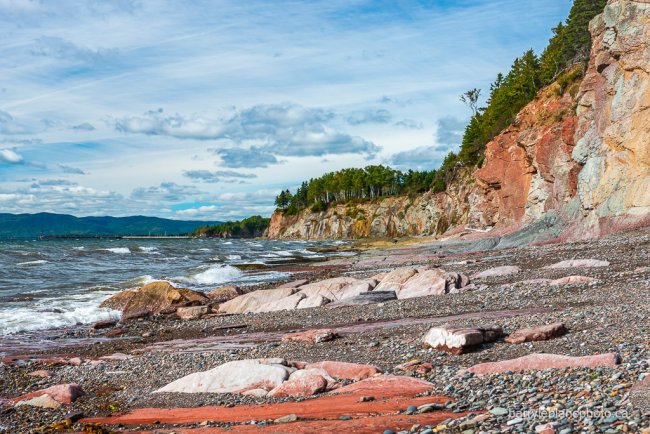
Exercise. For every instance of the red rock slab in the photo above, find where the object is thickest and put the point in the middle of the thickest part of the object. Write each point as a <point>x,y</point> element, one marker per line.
<point>308,385</point>
<point>365,425</point>
<point>538,333</point>
<point>347,371</point>
<point>541,361</point>
<point>311,336</point>
<point>391,394</point>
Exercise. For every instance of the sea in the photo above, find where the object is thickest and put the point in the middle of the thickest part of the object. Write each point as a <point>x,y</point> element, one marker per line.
<point>57,283</point>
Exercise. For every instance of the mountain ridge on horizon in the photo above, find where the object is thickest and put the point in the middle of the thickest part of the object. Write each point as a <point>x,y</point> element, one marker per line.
<point>27,225</point>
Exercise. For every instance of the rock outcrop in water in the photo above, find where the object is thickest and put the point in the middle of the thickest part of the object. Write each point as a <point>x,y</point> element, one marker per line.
<point>575,163</point>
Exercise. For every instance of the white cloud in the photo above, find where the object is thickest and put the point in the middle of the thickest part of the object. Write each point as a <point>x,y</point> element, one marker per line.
<point>11,157</point>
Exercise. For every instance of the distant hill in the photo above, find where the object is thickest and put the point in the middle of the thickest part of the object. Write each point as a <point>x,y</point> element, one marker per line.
<point>34,225</point>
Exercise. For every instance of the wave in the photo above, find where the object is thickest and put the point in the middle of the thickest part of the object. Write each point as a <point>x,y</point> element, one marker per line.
<point>213,275</point>
<point>39,262</point>
<point>118,250</point>
<point>233,257</point>
<point>147,249</point>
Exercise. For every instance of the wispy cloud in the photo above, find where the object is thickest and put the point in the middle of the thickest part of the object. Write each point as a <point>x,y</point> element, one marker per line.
<point>218,176</point>
<point>11,157</point>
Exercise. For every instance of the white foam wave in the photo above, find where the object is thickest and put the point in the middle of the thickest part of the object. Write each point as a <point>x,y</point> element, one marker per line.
<point>233,257</point>
<point>40,261</point>
<point>213,275</point>
<point>118,250</point>
<point>148,249</point>
<point>227,242</point>
<point>78,248</point>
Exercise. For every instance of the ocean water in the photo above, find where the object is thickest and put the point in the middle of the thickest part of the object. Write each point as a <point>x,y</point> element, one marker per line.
<point>47,284</point>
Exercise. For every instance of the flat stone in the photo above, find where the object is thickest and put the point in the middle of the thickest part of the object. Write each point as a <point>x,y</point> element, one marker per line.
<point>311,336</point>
<point>256,393</point>
<point>540,361</point>
<point>424,283</point>
<point>308,385</point>
<point>346,371</point>
<point>313,301</point>
<point>504,270</point>
<point>287,303</point>
<point>99,325</point>
<point>459,340</point>
<point>62,393</point>
<point>40,373</point>
<point>224,293</point>
<point>572,280</point>
<point>365,298</point>
<point>294,283</point>
<point>252,300</point>
<point>539,333</point>
<point>329,288</point>
<point>43,401</point>
<point>579,263</point>
<point>116,357</point>
<point>331,382</point>
<point>286,419</point>
<point>193,312</point>
<point>232,377</point>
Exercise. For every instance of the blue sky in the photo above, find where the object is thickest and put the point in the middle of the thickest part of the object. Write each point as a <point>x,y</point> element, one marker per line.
<point>206,109</point>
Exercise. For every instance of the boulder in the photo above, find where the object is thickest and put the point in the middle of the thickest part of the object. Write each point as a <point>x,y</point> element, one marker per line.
<point>357,288</point>
<point>224,293</point>
<point>346,371</point>
<point>43,401</point>
<point>579,263</point>
<point>572,280</point>
<point>252,300</point>
<point>504,270</point>
<point>99,325</point>
<point>387,386</point>
<point>233,377</point>
<point>328,288</point>
<point>294,283</point>
<point>311,336</point>
<point>313,301</point>
<point>194,312</point>
<point>286,303</point>
<point>424,283</point>
<point>62,393</point>
<point>366,298</point>
<point>307,385</point>
<point>331,382</point>
<point>153,298</point>
<point>459,340</point>
<point>539,361</point>
<point>539,333</point>
<point>395,279</point>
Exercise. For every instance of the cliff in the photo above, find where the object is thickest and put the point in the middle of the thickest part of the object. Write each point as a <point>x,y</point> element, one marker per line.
<point>575,162</point>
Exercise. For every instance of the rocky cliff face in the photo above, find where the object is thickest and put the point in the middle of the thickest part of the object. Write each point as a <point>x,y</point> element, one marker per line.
<point>580,152</point>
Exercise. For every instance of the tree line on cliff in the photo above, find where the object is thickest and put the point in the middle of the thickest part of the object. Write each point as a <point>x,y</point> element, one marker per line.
<point>251,227</point>
<point>563,61</point>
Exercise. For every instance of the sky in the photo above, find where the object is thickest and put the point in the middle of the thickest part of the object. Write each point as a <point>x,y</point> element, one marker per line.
<point>205,110</point>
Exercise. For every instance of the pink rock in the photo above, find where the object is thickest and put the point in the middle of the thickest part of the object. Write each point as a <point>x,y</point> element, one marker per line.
<point>311,336</point>
<point>75,361</point>
<point>298,364</point>
<point>424,283</point>
<point>313,301</point>
<point>331,382</point>
<point>346,371</point>
<point>63,393</point>
<point>43,401</point>
<point>286,303</point>
<point>40,373</point>
<point>539,333</point>
<point>388,386</point>
<point>252,300</point>
<point>328,288</point>
<point>547,428</point>
<point>224,293</point>
<point>570,280</point>
<point>193,312</point>
<point>300,387</point>
<point>356,288</point>
<point>539,361</point>
<point>505,270</point>
<point>579,263</point>
<point>459,340</point>
<point>395,279</point>
<point>116,357</point>
<point>294,283</point>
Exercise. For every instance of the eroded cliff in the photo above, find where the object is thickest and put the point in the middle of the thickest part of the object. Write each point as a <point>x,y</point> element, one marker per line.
<point>577,158</point>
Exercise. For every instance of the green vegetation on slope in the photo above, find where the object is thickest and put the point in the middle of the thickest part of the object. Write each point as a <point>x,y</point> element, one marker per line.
<point>248,228</point>
<point>563,61</point>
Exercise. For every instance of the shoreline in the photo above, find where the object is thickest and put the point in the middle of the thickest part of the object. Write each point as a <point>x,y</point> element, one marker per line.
<point>602,316</point>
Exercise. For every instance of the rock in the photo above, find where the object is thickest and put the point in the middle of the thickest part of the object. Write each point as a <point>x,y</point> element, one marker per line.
<point>62,393</point>
<point>232,377</point>
<point>395,279</point>
<point>252,300</point>
<point>459,340</point>
<point>43,401</point>
<point>328,288</point>
<point>539,333</point>
<point>346,371</point>
<point>133,315</point>
<point>307,385</point>
<point>313,301</point>
<point>286,419</point>
<point>224,293</point>
<point>386,386</point>
<point>579,263</point>
<point>116,357</point>
<point>357,288</point>
<point>505,270</point>
<point>572,280</point>
<point>40,374</point>
<point>424,283</point>
<point>152,298</point>
<point>311,336</point>
<point>256,393</point>
<point>415,366</point>
<point>366,298</point>
<point>99,325</point>
<point>194,312</point>
<point>539,361</point>
<point>287,303</point>
<point>546,428</point>
<point>331,382</point>
<point>499,411</point>
<point>115,332</point>
<point>294,283</point>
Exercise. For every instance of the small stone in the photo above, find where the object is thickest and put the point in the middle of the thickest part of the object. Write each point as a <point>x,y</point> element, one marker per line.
<point>286,419</point>
<point>411,409</point>
<point>514,421</point>
<point>366,398</point>
<point>499,411</point>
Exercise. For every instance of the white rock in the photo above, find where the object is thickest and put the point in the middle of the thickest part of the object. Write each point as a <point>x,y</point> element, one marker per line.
<point>504,270</point>
<point>426,282</point>
<point>287,303</point>
<point>328,288</point>
<point>253,300</point>
<point>313,301</point>
<point>395,279</point>
<point>579,263</point>
<point>43,401</point>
